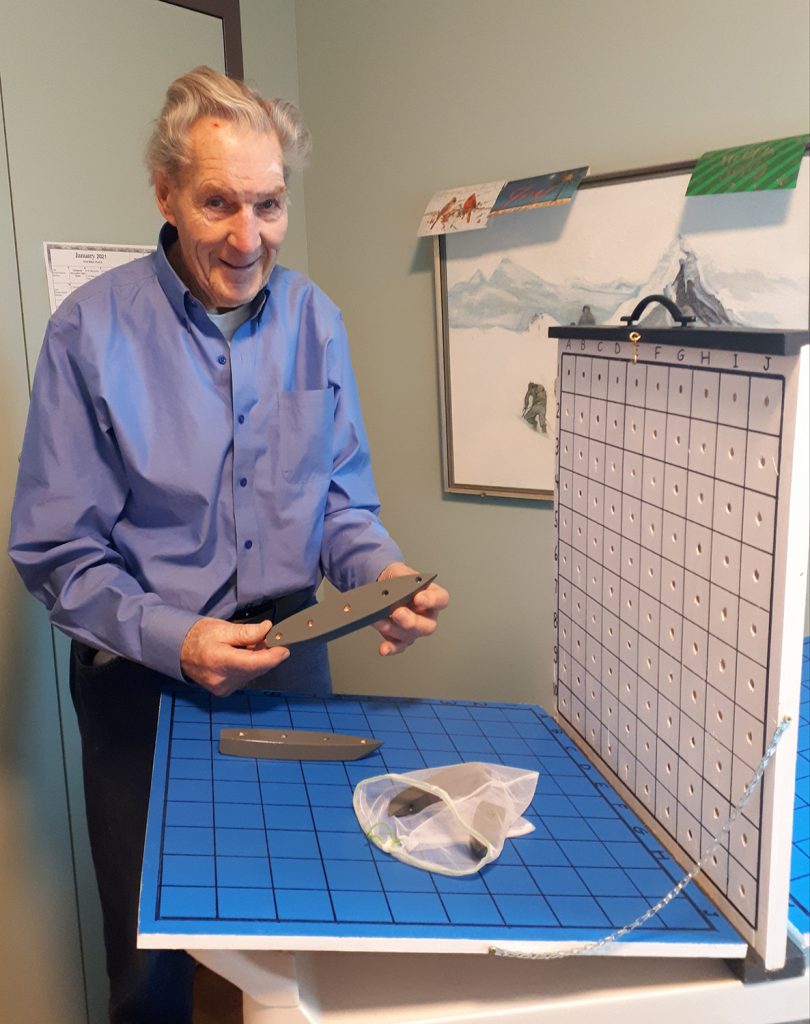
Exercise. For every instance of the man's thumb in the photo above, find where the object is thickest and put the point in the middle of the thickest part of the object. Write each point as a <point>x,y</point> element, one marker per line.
<point>254,632</point>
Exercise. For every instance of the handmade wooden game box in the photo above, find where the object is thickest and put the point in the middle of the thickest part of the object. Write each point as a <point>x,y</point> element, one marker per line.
<point>681,514</point>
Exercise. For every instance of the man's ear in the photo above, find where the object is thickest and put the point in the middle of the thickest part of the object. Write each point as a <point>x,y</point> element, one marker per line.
<point>164,194</point>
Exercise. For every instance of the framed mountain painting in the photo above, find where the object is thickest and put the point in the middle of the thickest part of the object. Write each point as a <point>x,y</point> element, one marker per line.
<point>738,259</point>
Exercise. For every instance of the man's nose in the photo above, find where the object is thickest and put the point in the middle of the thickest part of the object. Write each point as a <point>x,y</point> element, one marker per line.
<point>244,231</point>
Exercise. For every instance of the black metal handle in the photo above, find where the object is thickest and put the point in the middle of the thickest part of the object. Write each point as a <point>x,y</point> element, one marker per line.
<point>668,304</point>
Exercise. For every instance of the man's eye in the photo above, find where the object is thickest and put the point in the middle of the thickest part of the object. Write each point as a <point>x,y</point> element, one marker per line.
<point>270,205</point>
<point>215,203</point>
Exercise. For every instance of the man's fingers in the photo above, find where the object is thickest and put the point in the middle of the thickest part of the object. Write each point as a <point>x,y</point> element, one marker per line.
<point>255,661</point>
<point>406,625</point>
<point>390,647</point>
<point>432,599</point>
<point>252,634</point>
<point>238,667</point>
<point>222,656</point>
<point>404,618</point>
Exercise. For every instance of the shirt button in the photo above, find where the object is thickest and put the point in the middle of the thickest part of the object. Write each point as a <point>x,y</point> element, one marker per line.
<point>248,544</point>
<point>241,418</point>
<point>221,360</point>
<point>243,482</point>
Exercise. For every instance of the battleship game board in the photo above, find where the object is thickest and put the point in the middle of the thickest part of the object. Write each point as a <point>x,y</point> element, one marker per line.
<point>246,853</point>
<point>680,503</point>
<point>676,661</point>
<point>555,888</point>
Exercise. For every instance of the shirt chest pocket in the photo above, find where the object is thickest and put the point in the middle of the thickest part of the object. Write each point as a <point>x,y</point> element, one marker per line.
<point>306,421</point>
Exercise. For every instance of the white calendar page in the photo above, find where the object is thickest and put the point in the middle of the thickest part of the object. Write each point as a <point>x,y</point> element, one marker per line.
<point>682,507</point>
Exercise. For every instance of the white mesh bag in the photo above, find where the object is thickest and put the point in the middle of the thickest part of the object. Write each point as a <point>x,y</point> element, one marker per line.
<point>452,820</point>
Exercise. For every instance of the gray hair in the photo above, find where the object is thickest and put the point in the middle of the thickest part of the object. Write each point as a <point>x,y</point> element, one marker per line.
<point>204,92</point>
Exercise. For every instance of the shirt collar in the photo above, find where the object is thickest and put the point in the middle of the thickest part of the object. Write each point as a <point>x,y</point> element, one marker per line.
<point>178,294</point>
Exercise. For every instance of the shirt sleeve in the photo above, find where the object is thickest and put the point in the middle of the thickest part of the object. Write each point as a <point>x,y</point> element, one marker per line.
<point>71,490</point>
<point>356,546</point>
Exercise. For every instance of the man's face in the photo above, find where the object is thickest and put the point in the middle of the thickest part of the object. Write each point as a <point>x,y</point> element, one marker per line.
<point>229,206</point>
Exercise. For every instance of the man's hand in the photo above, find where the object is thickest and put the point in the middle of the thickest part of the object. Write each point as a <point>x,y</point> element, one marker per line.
<point>408,623</point>
<point>224,656</point>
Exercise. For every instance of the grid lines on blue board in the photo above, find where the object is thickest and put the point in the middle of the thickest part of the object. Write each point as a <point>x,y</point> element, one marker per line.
<point>799,905</point>
<point>273,847</point>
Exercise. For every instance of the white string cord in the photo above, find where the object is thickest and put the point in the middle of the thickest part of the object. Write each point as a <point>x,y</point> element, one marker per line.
<point>592,947</point>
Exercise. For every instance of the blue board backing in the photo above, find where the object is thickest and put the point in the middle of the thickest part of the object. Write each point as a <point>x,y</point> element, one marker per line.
<point>246,849</point>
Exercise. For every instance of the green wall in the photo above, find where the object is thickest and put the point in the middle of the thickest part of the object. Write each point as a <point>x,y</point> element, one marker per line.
<point>406,98</point>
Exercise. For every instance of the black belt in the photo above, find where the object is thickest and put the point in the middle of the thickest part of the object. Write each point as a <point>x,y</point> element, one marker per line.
<point>275,608</point>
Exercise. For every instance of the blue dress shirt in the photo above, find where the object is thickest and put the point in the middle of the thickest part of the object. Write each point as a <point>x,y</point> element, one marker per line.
<point>166,474</point>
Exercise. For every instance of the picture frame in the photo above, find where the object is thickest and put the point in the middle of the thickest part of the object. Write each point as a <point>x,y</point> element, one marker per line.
<point>736,259</point>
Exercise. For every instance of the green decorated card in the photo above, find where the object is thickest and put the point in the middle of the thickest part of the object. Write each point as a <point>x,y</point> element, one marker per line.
<point>755,168</point>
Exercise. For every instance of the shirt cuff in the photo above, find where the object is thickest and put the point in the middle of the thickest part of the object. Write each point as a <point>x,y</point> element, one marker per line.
<point>367,569</point>
<point>164,630</point>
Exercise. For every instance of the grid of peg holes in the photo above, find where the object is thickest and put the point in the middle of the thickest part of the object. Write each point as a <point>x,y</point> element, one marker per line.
<point>668,483</point>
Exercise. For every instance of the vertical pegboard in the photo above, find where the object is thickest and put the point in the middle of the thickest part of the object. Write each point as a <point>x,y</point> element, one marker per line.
<point>682,516</point>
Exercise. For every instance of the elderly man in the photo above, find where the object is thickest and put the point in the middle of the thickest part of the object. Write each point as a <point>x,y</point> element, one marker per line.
<point>194,463</point>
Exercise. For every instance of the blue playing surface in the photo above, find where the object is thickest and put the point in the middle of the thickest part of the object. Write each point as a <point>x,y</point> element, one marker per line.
<point>799,908</point>
<point>244,847</point>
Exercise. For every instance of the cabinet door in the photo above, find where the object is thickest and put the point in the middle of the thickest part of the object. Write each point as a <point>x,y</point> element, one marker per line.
<point>81,81</point>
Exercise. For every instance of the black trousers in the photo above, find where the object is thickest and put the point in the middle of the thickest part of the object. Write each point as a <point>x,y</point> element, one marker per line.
<point>117,707</point>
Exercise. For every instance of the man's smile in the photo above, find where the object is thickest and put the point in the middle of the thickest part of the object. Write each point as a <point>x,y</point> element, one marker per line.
<point>240,266</point>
